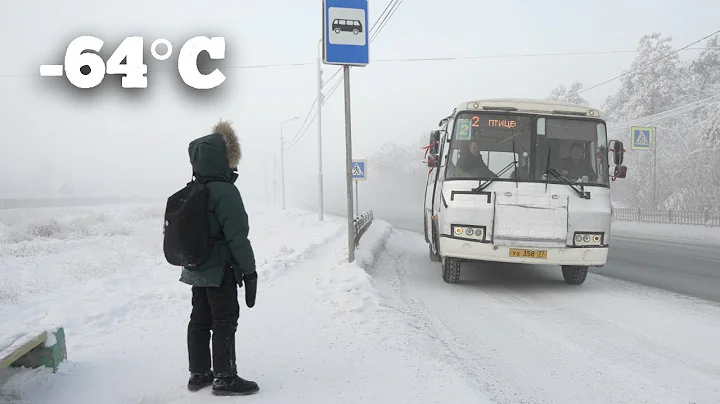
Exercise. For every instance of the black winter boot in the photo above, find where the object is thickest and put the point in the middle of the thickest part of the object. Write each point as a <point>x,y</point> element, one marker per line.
<point>199,381</point>
<point>234,386</point>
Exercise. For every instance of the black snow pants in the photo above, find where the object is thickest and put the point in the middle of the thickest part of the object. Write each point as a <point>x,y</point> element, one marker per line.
<point>214,309</point>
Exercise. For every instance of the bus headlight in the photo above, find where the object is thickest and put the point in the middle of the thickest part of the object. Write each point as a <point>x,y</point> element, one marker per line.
<point>469,232</point>
<point>587,239</point>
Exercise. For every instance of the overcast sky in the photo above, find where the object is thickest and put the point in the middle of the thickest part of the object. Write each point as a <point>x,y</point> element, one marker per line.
<point>123,141</point>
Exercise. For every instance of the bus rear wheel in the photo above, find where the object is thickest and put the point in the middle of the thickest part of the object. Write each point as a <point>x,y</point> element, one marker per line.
<point>574,274</point>
<point>451,270</point>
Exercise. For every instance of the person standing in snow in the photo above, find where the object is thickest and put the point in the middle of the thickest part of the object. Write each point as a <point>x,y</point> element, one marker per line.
<point>231,262</point>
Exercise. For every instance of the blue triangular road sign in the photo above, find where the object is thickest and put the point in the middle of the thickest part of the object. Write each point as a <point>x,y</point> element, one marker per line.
<point>641,138</point>
<point>357,171</point>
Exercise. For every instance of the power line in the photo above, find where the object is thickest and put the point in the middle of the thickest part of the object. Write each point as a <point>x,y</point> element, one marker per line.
<point>690,106</point>
<point>387,18</point>
<point>325,100</point>
<point>306,118</point>
<point>382,17</point>
<point>643,66</point>
<point>301,132</point>
<point>409,60</point>
<point>501,56</point>
<point>687,47</point>
<point>372,29</point>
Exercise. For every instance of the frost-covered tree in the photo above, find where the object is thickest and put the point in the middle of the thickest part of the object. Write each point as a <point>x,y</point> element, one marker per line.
<point>697,178</point>
<point>569,95</point>
<point>655,82</point>
<point>705,69</point>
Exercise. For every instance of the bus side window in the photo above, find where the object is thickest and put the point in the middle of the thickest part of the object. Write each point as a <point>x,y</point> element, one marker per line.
<point>541,126</point>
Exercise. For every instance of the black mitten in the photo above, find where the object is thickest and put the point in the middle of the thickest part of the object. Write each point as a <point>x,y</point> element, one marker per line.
<point>250,288</point>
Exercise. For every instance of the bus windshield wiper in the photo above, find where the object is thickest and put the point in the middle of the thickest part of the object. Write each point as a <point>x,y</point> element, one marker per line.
<point>481,187</point>
<point>579,188</point>
<point>485,184</point>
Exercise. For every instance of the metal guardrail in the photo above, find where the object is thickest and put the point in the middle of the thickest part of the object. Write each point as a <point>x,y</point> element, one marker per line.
<point>361,224</point>
<point>672,216</point>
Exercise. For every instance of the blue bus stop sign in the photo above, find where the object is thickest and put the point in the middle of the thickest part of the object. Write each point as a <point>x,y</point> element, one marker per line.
<point>345,32</point>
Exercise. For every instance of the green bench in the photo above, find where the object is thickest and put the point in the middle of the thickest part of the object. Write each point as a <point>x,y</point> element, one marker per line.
<point>46,348</point>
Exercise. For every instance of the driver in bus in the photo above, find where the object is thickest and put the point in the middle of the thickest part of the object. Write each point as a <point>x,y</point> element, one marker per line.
<point>575,166</point>
<point>471,162</point>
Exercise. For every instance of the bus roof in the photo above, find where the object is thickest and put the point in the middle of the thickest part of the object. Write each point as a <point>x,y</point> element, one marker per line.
<point>524,105</point>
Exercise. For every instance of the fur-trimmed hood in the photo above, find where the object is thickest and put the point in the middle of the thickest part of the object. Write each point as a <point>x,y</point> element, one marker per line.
<point>216,156</point>
<point>232,145</point>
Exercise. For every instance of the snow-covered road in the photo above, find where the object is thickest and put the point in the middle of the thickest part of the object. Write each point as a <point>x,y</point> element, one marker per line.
<point>524,336</point>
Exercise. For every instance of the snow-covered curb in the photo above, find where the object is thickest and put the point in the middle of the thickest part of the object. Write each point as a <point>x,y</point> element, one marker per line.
<point>372,243</point>
<point>669,232</point>
<point>348,286</point>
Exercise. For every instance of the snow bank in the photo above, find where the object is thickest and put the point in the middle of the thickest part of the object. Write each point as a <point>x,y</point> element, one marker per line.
<point>319,333</point>
<point>347,286</point>
<point>49,248</point>
<point>663,231</point>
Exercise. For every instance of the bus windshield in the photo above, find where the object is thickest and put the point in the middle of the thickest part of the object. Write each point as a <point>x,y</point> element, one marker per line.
<point>484,144</point>
<point>577,148</point>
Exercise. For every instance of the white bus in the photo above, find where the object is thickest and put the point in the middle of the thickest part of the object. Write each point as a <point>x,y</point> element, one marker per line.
<point>521,181</point>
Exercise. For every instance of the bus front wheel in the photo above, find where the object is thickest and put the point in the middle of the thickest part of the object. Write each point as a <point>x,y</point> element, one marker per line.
<point>451,270</point>
<point>574,274</point>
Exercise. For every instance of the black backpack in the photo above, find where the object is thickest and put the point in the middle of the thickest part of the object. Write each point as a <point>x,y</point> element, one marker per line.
<point>186,240</point>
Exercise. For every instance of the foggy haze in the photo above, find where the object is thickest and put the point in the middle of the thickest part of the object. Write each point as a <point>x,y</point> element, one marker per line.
<point>111,141</point>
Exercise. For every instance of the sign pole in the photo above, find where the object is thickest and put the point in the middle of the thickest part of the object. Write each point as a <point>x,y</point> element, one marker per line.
<point>654,140</point>
<point>348,165</point>
<point>357,199</point>
<point>319,124</point>
<point>644,138</point>
<point>345,43</point>
<point>282,168</point>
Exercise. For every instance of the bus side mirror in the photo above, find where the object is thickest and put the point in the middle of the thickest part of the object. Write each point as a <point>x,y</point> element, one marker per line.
<point>620,172</point>
<point>434,142</point>
<point>618,150</point>
<point>433,160</point>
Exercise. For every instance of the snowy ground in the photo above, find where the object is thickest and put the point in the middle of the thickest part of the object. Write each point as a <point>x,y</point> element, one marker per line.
<point>324,331</point>
<point>522,335</point>
<point>319,332</point>
<point>668,232</point>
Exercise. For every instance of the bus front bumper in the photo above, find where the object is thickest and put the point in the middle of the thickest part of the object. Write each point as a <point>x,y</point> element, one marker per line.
<point>475,251</point>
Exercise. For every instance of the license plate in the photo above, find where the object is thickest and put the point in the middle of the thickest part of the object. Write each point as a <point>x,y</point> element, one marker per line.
<point>522,253</point>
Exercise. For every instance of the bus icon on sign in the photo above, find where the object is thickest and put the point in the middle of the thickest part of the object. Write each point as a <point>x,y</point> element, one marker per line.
<point>353,26</point>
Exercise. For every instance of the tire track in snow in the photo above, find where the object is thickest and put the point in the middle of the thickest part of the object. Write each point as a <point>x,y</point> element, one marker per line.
<point>427,326</point>
<point>532,339</point>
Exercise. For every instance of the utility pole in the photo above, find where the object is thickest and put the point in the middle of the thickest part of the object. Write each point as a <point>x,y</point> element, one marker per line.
<point>319,125</point>
<point>282,160</point>
<point>265,183</point>
<point>275,190</point>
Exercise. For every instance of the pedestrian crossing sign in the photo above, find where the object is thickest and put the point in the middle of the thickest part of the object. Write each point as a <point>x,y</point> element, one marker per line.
<point>642,138</point>
<point>359,170</point>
